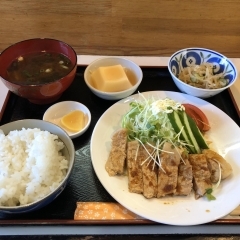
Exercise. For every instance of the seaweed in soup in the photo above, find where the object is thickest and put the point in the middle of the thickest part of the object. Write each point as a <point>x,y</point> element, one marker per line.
<point>39,68</point>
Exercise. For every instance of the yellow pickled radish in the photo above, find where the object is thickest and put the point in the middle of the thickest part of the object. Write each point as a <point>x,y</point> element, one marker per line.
<point>73,121</point>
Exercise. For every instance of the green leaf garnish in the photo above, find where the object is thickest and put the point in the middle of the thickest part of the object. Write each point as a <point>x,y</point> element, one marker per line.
<point>209,194</point>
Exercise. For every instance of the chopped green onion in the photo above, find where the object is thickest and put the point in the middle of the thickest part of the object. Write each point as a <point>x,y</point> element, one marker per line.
<point>209,194</point>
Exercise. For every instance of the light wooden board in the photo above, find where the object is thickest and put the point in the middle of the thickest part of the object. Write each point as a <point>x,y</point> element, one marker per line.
<point>123,27</point>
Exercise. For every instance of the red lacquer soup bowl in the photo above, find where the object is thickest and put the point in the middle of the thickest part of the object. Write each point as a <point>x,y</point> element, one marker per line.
<point>38,92</point>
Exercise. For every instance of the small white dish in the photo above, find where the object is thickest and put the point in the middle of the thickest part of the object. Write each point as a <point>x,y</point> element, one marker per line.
<point>57,111</point>
<point>110,61</point>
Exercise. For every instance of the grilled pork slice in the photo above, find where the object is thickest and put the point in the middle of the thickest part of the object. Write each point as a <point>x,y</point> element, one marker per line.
<point>149,172</point>
<point>185,177</point>
<point>226,168</point>
<point>135,178</point>
<point>117,157</point>
<point>201,174</point>
<point>168,173</point>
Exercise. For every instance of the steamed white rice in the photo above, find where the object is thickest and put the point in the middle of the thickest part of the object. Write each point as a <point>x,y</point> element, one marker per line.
<point>31,166</point>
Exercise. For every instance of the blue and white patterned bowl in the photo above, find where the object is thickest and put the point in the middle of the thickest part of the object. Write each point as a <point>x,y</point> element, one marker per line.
<point>196,56</point>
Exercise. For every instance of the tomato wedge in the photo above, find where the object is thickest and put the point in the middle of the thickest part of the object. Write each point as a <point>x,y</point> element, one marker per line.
<point>198,116</point>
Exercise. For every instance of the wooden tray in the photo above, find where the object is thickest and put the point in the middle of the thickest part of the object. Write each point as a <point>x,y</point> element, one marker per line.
<point>61,210</point>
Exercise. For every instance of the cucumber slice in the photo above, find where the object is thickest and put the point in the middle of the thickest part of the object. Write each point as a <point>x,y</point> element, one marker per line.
<point>188,124</point>
<point>197,134</point>
<point>177,126</point>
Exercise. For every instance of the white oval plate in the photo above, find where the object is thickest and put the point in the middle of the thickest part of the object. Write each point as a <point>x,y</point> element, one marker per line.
<point>177,210</point>
<point>57,111</point>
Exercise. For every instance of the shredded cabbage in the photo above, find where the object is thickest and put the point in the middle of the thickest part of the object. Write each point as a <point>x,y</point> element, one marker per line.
<point>147,121</point>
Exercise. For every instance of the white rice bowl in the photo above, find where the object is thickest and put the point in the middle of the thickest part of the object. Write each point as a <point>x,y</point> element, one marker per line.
<point>31,165</point>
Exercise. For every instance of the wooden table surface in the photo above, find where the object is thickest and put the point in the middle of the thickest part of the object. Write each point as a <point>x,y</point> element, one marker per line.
<point>123,27</point>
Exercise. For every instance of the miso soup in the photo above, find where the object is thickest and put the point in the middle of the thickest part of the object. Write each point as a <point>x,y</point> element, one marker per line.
<point>39,68</point>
